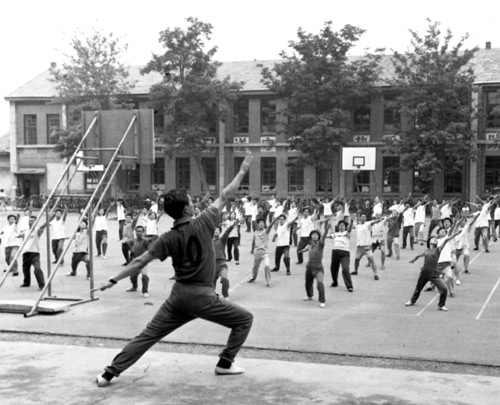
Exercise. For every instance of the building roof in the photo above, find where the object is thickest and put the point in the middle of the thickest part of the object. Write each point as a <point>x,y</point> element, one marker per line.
<point>486,63</point>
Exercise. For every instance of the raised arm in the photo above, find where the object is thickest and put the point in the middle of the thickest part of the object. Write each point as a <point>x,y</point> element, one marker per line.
<point>229,190</point>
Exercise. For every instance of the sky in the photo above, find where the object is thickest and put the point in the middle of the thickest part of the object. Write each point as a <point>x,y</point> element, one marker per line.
<point>34,33</point>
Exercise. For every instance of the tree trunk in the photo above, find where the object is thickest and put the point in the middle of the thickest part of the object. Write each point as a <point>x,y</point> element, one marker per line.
<point>203,177</point>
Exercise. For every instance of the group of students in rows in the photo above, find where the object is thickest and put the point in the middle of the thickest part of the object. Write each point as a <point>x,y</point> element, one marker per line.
<point>306,225</point>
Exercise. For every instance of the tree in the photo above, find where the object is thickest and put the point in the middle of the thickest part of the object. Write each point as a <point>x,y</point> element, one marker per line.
<point>321,86</point>
<point>190,95</point>
<point>93,78</point>
<point>434,82</point>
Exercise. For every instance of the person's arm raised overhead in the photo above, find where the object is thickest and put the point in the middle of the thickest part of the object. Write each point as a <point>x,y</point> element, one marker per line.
<point>230,189</point>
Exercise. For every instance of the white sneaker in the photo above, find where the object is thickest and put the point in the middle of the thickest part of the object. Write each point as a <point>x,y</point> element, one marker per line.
<point>458,282</point>
<point>101,381</point>
<point>131,289</point>
<point>308,299</point>
<point>104,257</point>
<point>145,295</point>
<point>443,308</point>
<point>409,304</point>
<point>322,305</point>
<point>233,370</point>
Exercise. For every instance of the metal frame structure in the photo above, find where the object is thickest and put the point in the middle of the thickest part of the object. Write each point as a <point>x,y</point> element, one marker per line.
<point>116,162</point>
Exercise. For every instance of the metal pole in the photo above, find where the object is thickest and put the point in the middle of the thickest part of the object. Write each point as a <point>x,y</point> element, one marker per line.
<point>91,251</point>
<point>47,219</point>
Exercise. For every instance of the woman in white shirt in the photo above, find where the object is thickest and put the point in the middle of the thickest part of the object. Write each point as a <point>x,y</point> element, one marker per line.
<point>341,255</point>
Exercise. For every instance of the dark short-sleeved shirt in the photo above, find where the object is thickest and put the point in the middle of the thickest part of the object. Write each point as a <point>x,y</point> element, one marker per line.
<point>140,246</point>
<point>316,252</point>
<point>431,259</point>
<point>190,244</point>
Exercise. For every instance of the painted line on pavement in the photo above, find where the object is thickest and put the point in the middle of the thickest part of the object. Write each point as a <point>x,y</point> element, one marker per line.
<point>428,305</point>
<point>488,299</point>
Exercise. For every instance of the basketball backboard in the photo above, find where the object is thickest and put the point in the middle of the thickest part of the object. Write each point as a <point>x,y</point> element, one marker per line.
<point>110,128</point>
<point>354,158</point>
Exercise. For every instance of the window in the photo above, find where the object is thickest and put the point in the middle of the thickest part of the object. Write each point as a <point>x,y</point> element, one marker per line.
<point>158,171</point>
<point>53,124</point>
<point>323,177</point>
<point>453,182</point>
<point>420,186</point>
<point>30,131</point>
<point>91,180</point>
<point>133,178</point>
<point>268,174</point>
<point>241,114</point>
<point>361,181</point>
<point>392,117</point>
<point>362,118</point>
<point>183,173</point>
<point>267,116</point>
<point>390,167</point>
<point>209,165</point>
<point>245,183</point>
<point>493,108</point>
<point>295,177</point>
<point>491,174</point>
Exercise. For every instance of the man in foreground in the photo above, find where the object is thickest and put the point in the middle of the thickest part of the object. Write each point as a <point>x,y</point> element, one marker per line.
<point>190,244</point>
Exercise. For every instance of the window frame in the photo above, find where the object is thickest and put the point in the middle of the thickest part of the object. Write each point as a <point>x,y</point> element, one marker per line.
<point>391,178</point>
<point>295,177</point>
<point>268,116</point>
<point>183,172</point>
<point>242,116</point>
<point>26,129</point>
<point>268,173</point>
<point>51,128</point>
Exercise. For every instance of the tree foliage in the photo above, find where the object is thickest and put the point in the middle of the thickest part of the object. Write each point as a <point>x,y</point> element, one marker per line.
<point>92,78</point>
<point>190,95</point>
<point>321,86</point>
<point>434,81</point>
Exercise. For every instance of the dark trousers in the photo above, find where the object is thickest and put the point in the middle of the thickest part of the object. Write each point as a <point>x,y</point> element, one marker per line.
<point>32,259</point>
<point>10,252</point>
<point>186,303</point>
<point>126,252</point>
<point>121,223</point>
<point>145,282</point>
<point>57,248</point>
<point>433,224</point>
<point>315,271</point>
<point>408,230</point>
<point>440,285</point>
<point>77,258</point>
<point>481,233</point>
<point>99,236</point>
<point>248,222</point>
<point>280,251</point>
<point>341,258</point>
<point>303,242</point>
<point>233,246</point>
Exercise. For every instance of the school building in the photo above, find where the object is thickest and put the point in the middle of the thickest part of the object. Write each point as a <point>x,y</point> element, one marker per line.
<point>35,166</point>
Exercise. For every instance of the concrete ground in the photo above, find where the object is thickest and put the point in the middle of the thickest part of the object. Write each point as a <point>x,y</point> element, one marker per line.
<point>371,322</point>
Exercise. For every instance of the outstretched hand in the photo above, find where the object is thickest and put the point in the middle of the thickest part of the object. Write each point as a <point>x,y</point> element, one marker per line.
<point>103,287</point>
<point>246,162</point>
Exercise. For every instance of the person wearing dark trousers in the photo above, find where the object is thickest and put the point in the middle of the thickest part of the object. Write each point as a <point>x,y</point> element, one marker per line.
<point>31,255</point>
<point>282,239</point>
<point>128,237</point>
<point>138,246</point>
<point>341,255</point>
<point>233,240</point>
<point>58,233</point>
<point>430,272</point>
<point>190,245</point>
<point>120,215</point>
<point>305,225</point>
